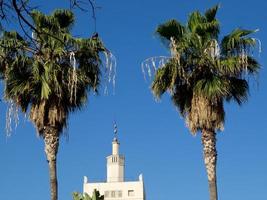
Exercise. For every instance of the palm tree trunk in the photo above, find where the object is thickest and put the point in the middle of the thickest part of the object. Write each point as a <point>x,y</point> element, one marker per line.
<point>210,159</point>
<point>51,139</point>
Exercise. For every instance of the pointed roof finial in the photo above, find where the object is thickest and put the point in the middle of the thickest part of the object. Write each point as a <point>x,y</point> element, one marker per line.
<point>115,130</point>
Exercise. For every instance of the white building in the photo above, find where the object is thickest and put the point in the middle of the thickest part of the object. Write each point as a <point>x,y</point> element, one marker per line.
<point>116,188</point>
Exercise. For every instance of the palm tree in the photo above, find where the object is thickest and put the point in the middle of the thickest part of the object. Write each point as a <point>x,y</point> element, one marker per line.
<point>204,72</point>
<point>50,75</point>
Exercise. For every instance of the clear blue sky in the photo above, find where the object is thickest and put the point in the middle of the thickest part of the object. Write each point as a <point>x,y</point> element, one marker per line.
<point>153,136</point>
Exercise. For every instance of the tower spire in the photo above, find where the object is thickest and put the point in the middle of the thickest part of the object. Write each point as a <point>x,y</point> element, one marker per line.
<point>115,131</point>
<point>115,142</point>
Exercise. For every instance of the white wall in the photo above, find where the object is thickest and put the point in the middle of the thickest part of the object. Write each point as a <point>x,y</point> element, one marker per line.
<point>132,190</point>
<point>115,168</point>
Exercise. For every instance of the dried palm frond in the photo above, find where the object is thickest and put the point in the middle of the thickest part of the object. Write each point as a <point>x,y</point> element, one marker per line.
<point>205,114</point>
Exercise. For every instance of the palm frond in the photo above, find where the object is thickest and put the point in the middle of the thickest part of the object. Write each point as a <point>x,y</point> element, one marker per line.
<point>238,91</point>
<point>210,14</point>
<point>208,30</point>
<point>171,28</point>
<point>165,79</point>
<point>65,18</point>
<point>181,98</point>
<point>232,66</point>
<point>236,42</point>
<point>213,87</point>
<point>195,18</point>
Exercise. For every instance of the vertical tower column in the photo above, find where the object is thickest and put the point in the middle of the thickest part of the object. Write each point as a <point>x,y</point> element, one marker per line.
<point>115,147</point>
<point>115,162</point>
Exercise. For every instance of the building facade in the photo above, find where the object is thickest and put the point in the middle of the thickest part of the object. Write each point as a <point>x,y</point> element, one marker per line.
<point>115,187</point>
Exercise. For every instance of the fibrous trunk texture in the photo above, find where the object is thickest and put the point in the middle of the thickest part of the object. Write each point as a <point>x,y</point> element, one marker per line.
<point>205,114</point>
<point>51,139</point>
<point>210,159</point>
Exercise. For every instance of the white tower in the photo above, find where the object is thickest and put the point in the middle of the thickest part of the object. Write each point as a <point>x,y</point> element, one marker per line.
<point>115,187</point>
<point>115,163</point>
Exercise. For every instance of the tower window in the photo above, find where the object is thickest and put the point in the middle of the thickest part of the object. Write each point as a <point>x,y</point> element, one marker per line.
<point>130,193</point>
<point>113,194</point>
<point>120,193</point>
<point>107,194</point>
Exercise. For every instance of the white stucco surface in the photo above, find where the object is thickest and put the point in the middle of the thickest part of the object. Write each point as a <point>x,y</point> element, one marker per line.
<point>129,190</point>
